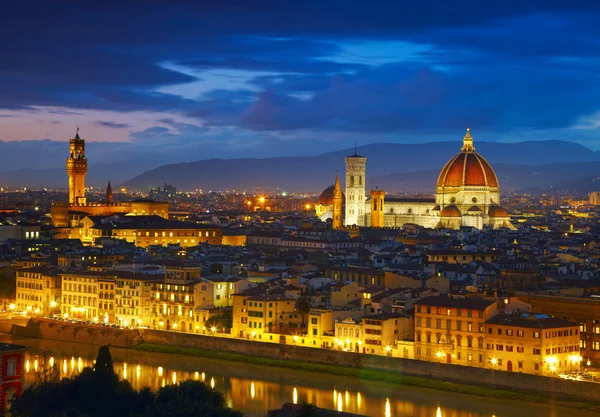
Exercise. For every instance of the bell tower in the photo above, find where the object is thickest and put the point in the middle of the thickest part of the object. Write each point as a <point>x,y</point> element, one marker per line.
<point>76,170</point>
<point>377,203</point>
<point>338,202</point>
<point>356,170</point>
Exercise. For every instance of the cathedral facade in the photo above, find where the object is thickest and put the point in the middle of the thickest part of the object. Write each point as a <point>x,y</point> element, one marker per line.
<point>467,194</point>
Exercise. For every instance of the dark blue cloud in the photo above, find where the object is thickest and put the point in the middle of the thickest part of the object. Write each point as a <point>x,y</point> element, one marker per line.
<point>113,125</point>
<point>496,65</point>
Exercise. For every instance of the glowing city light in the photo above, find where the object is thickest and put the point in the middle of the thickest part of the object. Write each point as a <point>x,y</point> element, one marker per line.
<point>295,396</point>
<point>252,390</point>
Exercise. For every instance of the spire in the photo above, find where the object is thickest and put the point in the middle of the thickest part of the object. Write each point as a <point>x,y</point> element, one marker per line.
<point>337,188</point>
<point>109,194</point>
<point>468,142</point>
<point>77,133</point>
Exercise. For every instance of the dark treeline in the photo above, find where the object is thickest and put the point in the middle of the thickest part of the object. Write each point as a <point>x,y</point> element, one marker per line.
<point>98,392</point>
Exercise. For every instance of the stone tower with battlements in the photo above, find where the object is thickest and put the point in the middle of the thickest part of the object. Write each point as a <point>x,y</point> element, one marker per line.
<point>76,170</point>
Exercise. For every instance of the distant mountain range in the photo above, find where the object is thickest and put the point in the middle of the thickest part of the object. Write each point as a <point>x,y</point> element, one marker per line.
<point>536,166</point>
<point>393,167</point>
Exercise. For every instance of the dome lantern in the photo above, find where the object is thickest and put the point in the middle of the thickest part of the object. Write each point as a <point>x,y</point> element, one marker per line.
<point>468,142</point>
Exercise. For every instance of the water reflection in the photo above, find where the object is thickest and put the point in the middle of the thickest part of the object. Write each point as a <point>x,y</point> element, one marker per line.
<point>251,389</point>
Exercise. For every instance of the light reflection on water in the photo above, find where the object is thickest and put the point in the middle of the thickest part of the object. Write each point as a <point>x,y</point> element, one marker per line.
<point>254,389</point>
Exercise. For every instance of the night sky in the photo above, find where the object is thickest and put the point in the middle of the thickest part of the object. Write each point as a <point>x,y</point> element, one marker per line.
<point>265,78</point>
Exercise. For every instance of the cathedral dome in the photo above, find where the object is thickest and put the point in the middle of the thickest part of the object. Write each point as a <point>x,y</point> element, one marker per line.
<point>467,168</point>
<point>326,197</point>
<point>497,211</point>
<point>450,211</point>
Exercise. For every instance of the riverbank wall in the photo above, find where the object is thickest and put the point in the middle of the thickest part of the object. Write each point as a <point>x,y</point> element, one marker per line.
<point>552,388</point>
<point>68,332</point>
<point>557,388</point>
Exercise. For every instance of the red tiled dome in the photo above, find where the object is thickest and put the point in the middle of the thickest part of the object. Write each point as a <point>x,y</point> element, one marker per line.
<point>497,211</point>
<point>450,211</point>
<point>326,197</point>
<point>467,168</point>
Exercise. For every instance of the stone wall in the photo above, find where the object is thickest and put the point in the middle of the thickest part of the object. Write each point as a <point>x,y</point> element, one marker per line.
<point>57,330</point>
<point>551,387</point>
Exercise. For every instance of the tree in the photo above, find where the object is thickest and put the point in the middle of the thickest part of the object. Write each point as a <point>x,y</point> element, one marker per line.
<point>189,399</point>
<point>223,321</point>
<point>303,305</point>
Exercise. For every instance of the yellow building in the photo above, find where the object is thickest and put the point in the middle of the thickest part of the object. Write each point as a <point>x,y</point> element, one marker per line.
<point>349,335</point>
<point>38,290</point>
<point>133,295</point>
<point>144,231</point>
<point>452,330</point>
<point>80,295</point>
<point>532,343</point>
<point>257,314</point>
<point>173,306</point>
<point>106,300</point>
<point>382,332</point>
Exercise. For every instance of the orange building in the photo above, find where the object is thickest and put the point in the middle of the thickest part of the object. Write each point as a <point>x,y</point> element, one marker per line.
<point>582,310</point>
<point>532,343</point>
<point>452,330</point>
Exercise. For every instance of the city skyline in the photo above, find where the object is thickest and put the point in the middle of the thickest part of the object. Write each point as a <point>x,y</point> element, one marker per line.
<point>300,79</point>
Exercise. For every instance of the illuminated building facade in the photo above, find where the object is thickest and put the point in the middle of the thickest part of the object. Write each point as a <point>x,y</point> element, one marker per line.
<point>144,231</point>
<point>80,295</point>
<point>38,290</point>
<point>452,330</point>
<point>258,314</point>
<point>532,343</point>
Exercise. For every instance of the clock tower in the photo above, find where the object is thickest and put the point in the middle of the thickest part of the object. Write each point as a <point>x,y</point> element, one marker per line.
<point>356,170</point>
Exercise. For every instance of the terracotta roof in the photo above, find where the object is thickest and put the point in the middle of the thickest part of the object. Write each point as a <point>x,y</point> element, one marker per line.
<point>497,211</point>
<point>450,211</point>
<point>530,320</point>
<point>467,168</point>
<point>447,302</point>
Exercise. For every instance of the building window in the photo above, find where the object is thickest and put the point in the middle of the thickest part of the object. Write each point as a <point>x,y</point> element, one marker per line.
<point>520,333</point>
<point>536,335</point>
<point>11,367</point>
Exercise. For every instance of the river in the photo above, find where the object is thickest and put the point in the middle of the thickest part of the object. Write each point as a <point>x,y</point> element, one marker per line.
<point>254,389</point>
